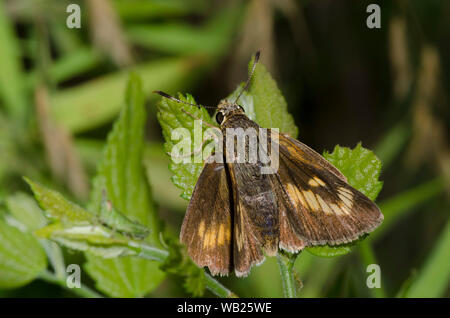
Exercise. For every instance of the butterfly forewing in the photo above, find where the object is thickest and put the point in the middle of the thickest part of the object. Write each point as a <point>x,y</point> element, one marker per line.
<point>322,207</point>
<point>206,229</point>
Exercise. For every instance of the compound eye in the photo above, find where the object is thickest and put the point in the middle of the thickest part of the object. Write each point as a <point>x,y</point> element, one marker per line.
<point>219,117</point>
<point>242,108</point>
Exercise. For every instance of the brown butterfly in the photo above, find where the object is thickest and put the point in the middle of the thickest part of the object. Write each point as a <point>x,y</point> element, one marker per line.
<point>237,215</point>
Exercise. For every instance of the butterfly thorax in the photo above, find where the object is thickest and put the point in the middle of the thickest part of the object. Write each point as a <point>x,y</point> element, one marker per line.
<point>228,109</point>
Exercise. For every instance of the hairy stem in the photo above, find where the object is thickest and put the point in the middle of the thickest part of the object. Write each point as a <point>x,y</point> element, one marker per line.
<point>286,264</point>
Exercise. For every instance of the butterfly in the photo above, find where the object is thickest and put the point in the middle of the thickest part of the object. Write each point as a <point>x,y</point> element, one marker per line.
<point>237,215</point>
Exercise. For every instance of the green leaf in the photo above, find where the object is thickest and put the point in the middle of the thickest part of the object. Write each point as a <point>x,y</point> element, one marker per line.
<point>397,207</point>
<point>171,116</point>
<point>209,40</point>
<point>166,194</point>
<point>77,228</point>
<point>150,9</point>
<point>406,285</point>
<point>270,107</point>
<point>95,239</point>
<point>393,142</point>
<point>329,251</point>
<point>25,210</point>
<point>121,174</point>
<point>12,90</point>
<point>71,65</point>
<point>361,168</point>
<point>115,220</point>
<point>58,207</point>
<point>434,278</point>
<point>195,282</point>
<point>22,258</point>
<point>72,108</point>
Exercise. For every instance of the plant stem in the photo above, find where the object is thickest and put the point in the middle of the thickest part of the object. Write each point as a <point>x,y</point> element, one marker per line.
<point>155,254</point>
<point>368,257</point>
<point>286,263</point>
<point>83,291</point>
<point>217,288</point>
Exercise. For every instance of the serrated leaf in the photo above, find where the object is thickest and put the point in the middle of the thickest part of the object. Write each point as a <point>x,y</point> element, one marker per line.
<point>58,207</point>
<point>270,107</point>
<point>171,116</point>
<point>22,258</point>
<point>362,168</point>
<point>121,174</point>
<point>25,210</point>
<point>81,230</point>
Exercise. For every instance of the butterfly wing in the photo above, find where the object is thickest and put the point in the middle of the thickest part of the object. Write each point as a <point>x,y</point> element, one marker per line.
<point>289,240</point>
<point>255,217</point>
<point>206,229</point>
<point>321,206</point>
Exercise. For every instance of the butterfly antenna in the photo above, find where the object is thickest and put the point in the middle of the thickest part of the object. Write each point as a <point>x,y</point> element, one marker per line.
<point>255,61</point>
<point>179,100</point>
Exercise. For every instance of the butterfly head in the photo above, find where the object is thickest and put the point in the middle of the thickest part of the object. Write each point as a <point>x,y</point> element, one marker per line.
<point>226,109</point>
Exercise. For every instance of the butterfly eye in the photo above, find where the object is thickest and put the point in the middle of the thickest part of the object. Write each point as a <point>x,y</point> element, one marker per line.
<point>219,118</point>
<point>242,108</point>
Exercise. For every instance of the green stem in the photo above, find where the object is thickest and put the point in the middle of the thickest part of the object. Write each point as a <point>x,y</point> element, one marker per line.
<point>155,254</point>
<point>286,264</point>
<point>217,288</point>
<point>368,257</point>
<point>56,258</point>
<point>83,291</point>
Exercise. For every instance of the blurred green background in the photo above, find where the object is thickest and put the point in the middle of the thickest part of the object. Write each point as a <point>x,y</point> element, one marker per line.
<point>61,89</point>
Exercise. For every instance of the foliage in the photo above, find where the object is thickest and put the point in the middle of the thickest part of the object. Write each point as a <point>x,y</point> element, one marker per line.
<point>62,90</point>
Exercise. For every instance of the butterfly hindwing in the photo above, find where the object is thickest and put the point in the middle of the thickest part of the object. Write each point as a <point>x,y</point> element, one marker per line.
<point>206,229</point>
<point>289,240</point>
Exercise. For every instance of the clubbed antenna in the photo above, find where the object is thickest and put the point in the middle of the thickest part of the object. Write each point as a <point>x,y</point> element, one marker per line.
<point>255,61</point>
